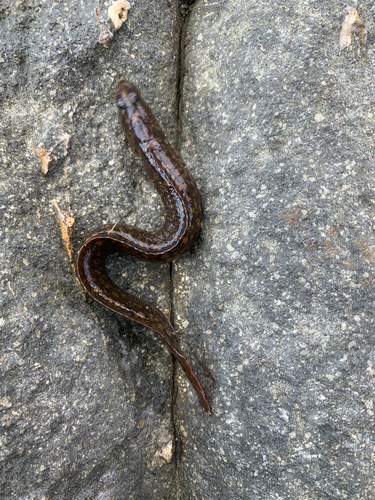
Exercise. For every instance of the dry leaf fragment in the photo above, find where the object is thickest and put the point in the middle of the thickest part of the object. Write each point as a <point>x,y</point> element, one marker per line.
<point>105,37</point>
<point>118,13</point>
<point>97,14</point>
<point>66,225</point>
<point>166,452</point>
<point>352,24</point>
<point>45,156</point>
<point>66,222</point>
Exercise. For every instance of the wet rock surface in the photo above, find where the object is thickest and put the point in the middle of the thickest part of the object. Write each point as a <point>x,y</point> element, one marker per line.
<point>85,396</point>
<point>273,305</point>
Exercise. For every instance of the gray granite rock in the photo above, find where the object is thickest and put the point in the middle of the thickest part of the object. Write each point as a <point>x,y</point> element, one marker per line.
<point>85,397</point>
<point>273,305</point>
<point>278,302</point>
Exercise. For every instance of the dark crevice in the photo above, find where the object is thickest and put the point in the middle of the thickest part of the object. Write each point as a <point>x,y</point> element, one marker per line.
<point>184,9</point>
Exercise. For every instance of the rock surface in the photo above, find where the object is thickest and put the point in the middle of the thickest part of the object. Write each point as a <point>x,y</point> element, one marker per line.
<point>85,396</point>
<point>274,304</point>
<point>278,129</point>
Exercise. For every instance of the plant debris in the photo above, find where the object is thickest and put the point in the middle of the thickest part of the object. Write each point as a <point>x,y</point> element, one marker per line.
<point>45,156</point>
<point>352,24</point>
<point>105,37</point>
<point>66,225</point>
<point>118,13</point>
<point>66,222</point>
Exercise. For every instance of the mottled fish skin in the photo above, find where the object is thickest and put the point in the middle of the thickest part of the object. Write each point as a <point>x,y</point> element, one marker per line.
<point>181,200</point>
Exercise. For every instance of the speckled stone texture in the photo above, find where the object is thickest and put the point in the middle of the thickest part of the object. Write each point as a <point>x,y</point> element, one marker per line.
<point>85,397</point>
<point>278,302</point>
<point>273,305</point>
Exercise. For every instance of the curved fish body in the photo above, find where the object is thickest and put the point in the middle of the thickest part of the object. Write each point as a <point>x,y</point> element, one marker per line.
<point>183,215</point>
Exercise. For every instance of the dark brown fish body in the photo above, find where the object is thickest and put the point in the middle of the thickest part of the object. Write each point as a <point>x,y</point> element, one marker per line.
<point>181,200</point>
